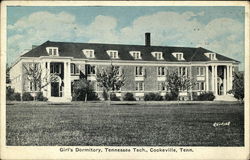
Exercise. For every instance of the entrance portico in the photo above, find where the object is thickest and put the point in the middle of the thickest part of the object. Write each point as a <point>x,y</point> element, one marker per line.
<point>221,78</point>
<point>60,89</point>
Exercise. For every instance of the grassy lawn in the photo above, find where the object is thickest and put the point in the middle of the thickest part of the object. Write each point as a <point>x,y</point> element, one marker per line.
<point>97,124</point>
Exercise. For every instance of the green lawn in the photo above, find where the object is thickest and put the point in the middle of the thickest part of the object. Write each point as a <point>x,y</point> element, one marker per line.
<point>98,124</point>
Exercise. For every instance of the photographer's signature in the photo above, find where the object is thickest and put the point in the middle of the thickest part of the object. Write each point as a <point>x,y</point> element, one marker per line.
<point>218,124</point>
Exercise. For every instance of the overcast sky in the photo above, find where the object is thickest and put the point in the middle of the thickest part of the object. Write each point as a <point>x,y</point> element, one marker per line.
<point>220,29</point>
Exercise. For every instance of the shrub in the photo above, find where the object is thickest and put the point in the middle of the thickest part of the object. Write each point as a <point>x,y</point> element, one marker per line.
<point>83,88</point>
<point>129,97</point>
<point>17,96</point>
<point>206,96</point>
<point>40,97</point>
<point>195,96</point>
<point>27,96</point>
<point>113,97</point>
<point>105,95</point>
<point>153,97</point>
<point>11,95</point>
<point>170,97</point>
<point>92,96</point>
<point>238,86</point>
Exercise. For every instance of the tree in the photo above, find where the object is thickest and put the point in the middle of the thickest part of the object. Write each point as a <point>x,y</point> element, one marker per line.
<point>7,74</point>
<point>83,90</point>
<point>111,79</point>
<point>238,86</point>
<point>176,83</point>
<point>33,72</point>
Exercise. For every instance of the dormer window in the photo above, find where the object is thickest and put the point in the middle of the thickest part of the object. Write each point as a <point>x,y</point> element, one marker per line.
<point>113,54</point>
<point>89,53</point>
<point>157,55</point>
<point>52,51</point>
<point>211,56</point>
<point>178,56</point>
<point>136,54</point>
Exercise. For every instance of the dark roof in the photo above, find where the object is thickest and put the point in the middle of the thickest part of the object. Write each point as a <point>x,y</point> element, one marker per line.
<point>68,49</point>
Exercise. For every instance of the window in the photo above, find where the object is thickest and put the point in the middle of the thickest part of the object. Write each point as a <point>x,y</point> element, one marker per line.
<point>139,71</point>
<point>211,56</point>
<point>200,71</point>
<point>72,68</point>
<point>89,53</point>
<point>157,55</point>
<point>201,86</point>
<point>136,54</point>
<point>75,69</point>
<point>118,68</point>
<point>139,86</point>
<point>162,86</point>
<point>161,71</point>
<point>33,86</point>
<point>90,69</point>
<point>113,54</point>
<point>52,51</point>
<point>182,71</point>
<point>178,55</point>
<point>55,68</point>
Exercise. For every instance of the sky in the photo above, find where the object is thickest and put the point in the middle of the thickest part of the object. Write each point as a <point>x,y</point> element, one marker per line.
<point>219,29</point>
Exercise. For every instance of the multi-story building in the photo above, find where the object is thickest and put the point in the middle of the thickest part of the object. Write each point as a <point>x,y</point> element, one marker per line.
<point>145,67</point>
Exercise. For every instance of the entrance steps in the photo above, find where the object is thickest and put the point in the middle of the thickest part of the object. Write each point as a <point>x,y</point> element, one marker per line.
<point>227,97</point>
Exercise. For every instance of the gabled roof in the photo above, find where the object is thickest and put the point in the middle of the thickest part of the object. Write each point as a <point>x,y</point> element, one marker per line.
<point>69,49</point>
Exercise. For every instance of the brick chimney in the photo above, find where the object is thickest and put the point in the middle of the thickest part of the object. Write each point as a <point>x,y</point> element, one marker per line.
<point>147,39</point>
<point>34,46</point>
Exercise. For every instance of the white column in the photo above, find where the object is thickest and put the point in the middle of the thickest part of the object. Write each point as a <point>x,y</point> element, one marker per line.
<point>225,81</point>
<point>67,81</point>
<point>212,79</point>
<point>186,71</point>
<point>228,79</point>
<point>49,85</point>
<point>215,80</point>
<point>43,74</point>
<point>207,83</point>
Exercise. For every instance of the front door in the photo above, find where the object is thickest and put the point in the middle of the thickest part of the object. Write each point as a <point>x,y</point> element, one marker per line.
<point>55,89</point>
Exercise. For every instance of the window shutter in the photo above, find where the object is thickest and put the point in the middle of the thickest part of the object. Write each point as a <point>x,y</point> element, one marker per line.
<point>86,69</point>
<point>94,69</point>
<point>144,71</point>
<point>135,71</point>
